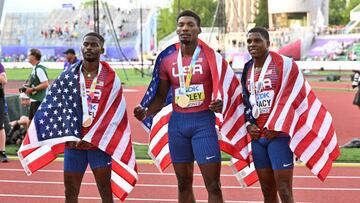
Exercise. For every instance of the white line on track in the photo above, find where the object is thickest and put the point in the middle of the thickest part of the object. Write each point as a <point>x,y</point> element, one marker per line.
<point>175,186</point>
<point>173,174</point>
<point>127,199</point>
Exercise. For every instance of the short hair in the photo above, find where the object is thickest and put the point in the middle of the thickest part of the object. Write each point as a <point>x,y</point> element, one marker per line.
<point>97,35</point>
<point>36,53</point>
<point>262,31</point>
<point>191,14</point>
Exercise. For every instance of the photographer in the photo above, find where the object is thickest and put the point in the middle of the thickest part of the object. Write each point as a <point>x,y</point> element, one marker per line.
<point>356,83</point>
<point>38,82</point>
<point>19,127</point>
<point>3,81</point>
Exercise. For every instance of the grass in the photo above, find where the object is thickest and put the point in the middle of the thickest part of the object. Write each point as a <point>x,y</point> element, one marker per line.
<point>347,154</point>
<point>325,73</point>
<point>134,76</point>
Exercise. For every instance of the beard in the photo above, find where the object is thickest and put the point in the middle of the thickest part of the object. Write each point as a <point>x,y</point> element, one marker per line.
<point>184,41</point>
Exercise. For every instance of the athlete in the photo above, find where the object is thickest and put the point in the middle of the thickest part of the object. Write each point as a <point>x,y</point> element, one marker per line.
<point>272,155</point>
<point>191,132</point>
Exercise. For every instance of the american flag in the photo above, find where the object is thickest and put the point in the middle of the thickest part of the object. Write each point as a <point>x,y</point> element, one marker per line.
<point>230,122</point>
<point>59,119</point>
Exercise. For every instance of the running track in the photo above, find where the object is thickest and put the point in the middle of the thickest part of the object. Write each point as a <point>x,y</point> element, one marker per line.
<point>343,185</point>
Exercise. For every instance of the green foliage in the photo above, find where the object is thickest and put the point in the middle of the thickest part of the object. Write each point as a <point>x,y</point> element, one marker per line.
<point>262,19</point>
<point>339,13</point>
<point>167,16</point>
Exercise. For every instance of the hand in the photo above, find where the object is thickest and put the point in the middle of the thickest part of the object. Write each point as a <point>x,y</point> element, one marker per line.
<point>29,90</point>
<point>13,123</point>
<point>216,106</point>
<point>83,144</point>
<point>270,134</point>
<point>254,131</point>
<point>140,113</point>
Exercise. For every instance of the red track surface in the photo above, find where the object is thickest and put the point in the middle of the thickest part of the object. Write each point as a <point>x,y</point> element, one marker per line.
<point>343,185</point>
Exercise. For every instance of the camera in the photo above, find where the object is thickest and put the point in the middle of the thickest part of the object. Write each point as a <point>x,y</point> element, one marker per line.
<point>23,88</point>
<point>355,78</point>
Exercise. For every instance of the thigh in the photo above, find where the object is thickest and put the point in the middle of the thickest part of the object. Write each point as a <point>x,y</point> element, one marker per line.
<point>184,172</point>
<point>2,113</point>
<point>98,159</point>
<point>179,144</point>
<point>33,108</point>
<point>280,154</point>
<point>75,163</point>
<point>210,172</point>
<point>284,177</point>
<point>75,160</point>
<point>260,153</point>
<point>205,145</point>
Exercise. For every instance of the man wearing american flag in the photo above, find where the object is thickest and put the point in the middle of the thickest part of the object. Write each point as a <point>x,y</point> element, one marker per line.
<point>183,72</point>
<point>84,116</point>
<point>284,118</point>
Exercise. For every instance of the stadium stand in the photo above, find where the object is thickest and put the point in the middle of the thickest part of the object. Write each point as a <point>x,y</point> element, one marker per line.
<point>60,29</point>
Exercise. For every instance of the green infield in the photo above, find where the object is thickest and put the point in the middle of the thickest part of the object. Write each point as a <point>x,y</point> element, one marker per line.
<point>348,155</point>
<point>133,76</point>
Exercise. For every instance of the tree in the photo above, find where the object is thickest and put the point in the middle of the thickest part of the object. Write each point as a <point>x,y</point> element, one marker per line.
<point>339,13</point>
<point>167,16</point>
<point>336,9</point>
<point>262,19</point>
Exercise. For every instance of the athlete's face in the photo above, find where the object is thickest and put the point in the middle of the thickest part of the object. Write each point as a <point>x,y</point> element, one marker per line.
<point>91,48</point>
<point>257,45</point>
<point>187,29</point>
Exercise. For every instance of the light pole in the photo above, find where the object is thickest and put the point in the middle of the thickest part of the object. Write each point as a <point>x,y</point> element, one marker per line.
<point>141,42</point>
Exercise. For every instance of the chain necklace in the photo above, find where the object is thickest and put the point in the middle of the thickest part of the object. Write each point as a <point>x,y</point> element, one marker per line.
<point>90,73</point>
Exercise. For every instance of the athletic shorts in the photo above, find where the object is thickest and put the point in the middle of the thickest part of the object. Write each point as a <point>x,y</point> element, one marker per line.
<point>274,153</point>
<point>76,160</point>
<point>192,136</point>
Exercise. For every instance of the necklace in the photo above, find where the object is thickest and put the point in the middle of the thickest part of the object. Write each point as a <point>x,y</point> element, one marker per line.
<point>90,73</point>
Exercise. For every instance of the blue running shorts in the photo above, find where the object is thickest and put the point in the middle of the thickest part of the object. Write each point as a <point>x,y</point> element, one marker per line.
<point>192,136</point>
<point>76,160</point>
<point>274,153</point>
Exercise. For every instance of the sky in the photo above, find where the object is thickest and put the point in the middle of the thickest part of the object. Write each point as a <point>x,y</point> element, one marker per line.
<point>48,5</point>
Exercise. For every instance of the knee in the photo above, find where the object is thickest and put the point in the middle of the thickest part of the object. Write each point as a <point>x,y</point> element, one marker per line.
<point>105,190</point>
<point>214,187</point>
<point>184,184</point>
<point>269,192</point>
<point>71,191</point>
<point>285,190</point>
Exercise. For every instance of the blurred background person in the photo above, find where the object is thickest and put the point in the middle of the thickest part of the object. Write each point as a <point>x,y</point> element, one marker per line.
<point>3,81</point>
<point>19,127</point>
<point>71,58</point>
<point>38,82</point>
<point>356,83</point>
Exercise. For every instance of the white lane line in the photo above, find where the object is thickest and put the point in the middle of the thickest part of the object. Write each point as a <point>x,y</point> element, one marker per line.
<point>173,174</point>
<point>175,186</point>
<point>130,90</point>
<point>127,199</point>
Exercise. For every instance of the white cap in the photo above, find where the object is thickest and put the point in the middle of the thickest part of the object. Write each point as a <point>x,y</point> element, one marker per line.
<point>23,96</point>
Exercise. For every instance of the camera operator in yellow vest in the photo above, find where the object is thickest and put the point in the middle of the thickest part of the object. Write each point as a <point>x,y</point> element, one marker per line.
<point>38,82</point>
